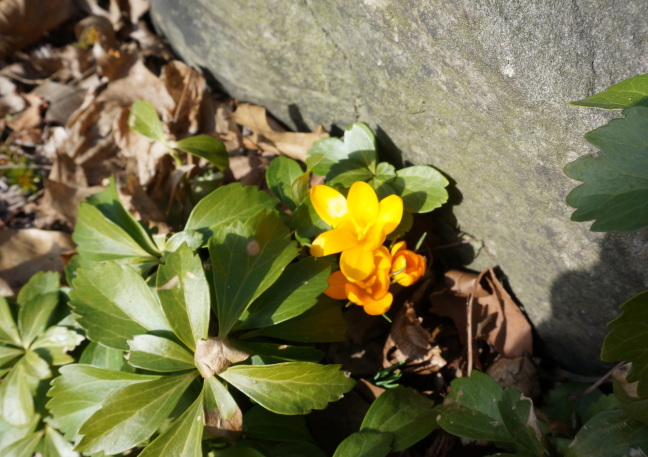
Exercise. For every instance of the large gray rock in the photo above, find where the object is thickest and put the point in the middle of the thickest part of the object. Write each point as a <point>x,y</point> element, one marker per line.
<point>478,88</point>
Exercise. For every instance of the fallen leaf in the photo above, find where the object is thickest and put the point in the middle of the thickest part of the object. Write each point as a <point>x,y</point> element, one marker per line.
<point>62,100</point>
<point>519,372</point>
<point>96,29</point>
<point>62,200</point>
<point>10,100</point>
<point>187,88</point>
<point>26,252</point>
<point>273,138</point>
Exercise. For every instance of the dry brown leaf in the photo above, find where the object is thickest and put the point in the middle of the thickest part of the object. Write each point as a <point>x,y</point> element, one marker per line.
<point>26,252</point>
<point>272,137</point>
<point>409,342</point>
<point>187,88</point>
<point>10,100</point>
<point>496,317</point>
<point>249,170</point>
<point>218,427</point>
<point>62,200</point>
<point>23,22</point>
<point>149,212</point>
<point>519,372</point>
<point>62,100</point>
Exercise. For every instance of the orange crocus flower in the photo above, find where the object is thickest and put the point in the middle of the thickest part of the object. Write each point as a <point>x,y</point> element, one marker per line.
<point>373,292</point>
<point>360,225</point>
<point>407,266</point>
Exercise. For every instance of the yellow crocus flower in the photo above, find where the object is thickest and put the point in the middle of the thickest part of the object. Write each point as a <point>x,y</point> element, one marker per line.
<point>360,224</point>
<point>407,266</point>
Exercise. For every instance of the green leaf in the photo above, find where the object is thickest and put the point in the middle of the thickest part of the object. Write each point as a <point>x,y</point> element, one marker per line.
<point>365,444</point>
<point>8,354</point>
<point>330,151</point>
<point>34,316</point>
<point>113,304</point>
<point>422,188</point>
<point>385,172</point>
<point>16,402</point>
<point>239,450</point>
<point>628,93</point>
<point>404,414</point>
<point>80,390</point>
<point>322,323</point>
<point>246,259</point>
<point>144,119</point>
<point>307,223</point>
<point>132,414</point>
<point>8,328</point>
<point>184,295</point>
<point>614,192</point>
<point>103,357</point>
<point>294,292</point>
<point>268,353</point>
<point>11,433</point>
<point>54,445</point>
<point>24,447</point>
<point>297,449</point>
<point>280,175</point>
<point>218,398</point>
<point>261,424</point>
<point>360,144</point>
<point>626,395</point>
<point>192,238</point>
<point>55,344</point>
<point>35,367</point>
<point>183,438</point>
<point>521,422</point>
<point>207,147</point>
<point>628,340</point>
<point>471,409</point>
<point>42,283</point>
<point>610,434</point>
<point>155,353</point>
<point>292,387</point>
<point>228,204</point>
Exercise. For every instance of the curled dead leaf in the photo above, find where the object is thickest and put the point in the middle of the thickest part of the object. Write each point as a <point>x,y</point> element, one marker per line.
<point>214,355</point>
<point>218,427</point>
<point>519,372</point>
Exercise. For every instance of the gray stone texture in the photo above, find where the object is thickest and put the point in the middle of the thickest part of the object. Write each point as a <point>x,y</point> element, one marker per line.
<point>477,88</point>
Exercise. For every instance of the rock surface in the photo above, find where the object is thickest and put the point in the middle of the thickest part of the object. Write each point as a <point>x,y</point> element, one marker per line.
<point>477,88</point>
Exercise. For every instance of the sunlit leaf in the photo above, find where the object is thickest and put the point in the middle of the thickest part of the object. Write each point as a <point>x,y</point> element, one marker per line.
<point>16,402</point>
<point>35,314</point>
<point>422,188</point>
<point>292,387</point>
<point>54,445</point>
<point>101,356</point>
<point>144,119</point>
<point>614,192</point>
<point>8,354</point>
<point>155,353</point>
<point>8,328</point>
<point>206,146</point>
<point>55,343</point>
<point>365,444</point>
<point>42,283</point>
<point>628,93</point>
<point>24,447</point>
<point>280,175</point>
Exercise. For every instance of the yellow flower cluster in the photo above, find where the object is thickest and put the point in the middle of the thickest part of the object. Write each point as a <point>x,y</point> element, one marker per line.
<point>360,223</point>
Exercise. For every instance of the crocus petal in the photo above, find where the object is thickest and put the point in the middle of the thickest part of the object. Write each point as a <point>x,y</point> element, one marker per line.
<point>356,263</point>
<point>380,306</point>
<point>329,204</point>
<point>398,246</point>
<point>362,204</point>
<point>374,237</point>
<point>333,241</point>
<point>390,213</point>
<point>336,290</point>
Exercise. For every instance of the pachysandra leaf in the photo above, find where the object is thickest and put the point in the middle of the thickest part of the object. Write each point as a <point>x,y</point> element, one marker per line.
<point>614,193</point>
<point>292,387</point>
<point>269,353</point>
<point>132,414</point>
<point>627,397</point>
<point>262,424</point>
<point>183,438</point>
<point>422,188</point>
<point>281,173</point>
<point>360,143</point>
<point>144,119</point>
<point>34,366</point>
<point>223,417</point>
<point>294,292</point>
<point>402,412</point>
<point>628,93</point>
<point>103,357</point>
<point>34,316</point>
<point>628,341</point>
<point>207,147</point>
<point>113,304</point>
<point>246,259</point>
<point>155,353</point>
<point>365,444</point>
<point>80,390</point>
<point>42,283</point>
<point>11,433</point>
<point>54,445</point>
<point>8,328</point>
<point>227,204</point>
<point>16,402</point>
<point>610,434</point>
<point>55,344</point>
<point>8,354</point>
<point>24,447</point>
<point>184,295</point>
<point>521,422</point>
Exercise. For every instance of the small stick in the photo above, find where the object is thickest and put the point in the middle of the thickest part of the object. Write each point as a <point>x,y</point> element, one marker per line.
<point>469,341</point>
<point>598,383</point>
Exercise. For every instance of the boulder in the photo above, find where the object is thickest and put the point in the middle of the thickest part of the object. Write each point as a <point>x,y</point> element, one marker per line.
<point>477,88</point>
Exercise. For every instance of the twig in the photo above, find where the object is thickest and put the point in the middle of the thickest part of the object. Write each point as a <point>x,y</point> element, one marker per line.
<point>18,207</point>
<point>469,339</point>
<point>598,383</point>
<point>33,165</point>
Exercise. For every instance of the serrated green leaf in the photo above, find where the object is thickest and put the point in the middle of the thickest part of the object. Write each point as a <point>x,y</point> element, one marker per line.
<point>54,445</point>
<point>24,447</point>
<point>35,367</point>
<point>16,402</point>
<point>610,434</point>
<point>155,353</point>
<point>626,396</point>
<point>192,238</point>
<point>280,175</point>
<point>307,223</point>
<point>103,357</point>
<point>207,147</point>
<point>132,414</point>
<point>8,354</point>
<point>42,283</point>
<point>385,172</point>
<point>113,304</point>
<point>614,192</point>
<point>292,387</point>
<point>360,143</point>
<point>365,444</point>
<point>628,340</point>
<point>294,292</point>
<point>471,409</point>
<point>80,390</point>
<point>55,344</point>
<point>34,316</point>
<point>228,204</point>
<point>322,323</point>
<point>330,151</point>
<point>183,438</point>
<point>8,327</point>
<point>184,295</point>
<point>404,414</point>
<point>422,188</point>
<point>268,353</point>
<point>628,93</point>
<point>11,433</point>
<point>521,422</point>
<point>261,424</point>
<point>246,259</point>
<point>144,119</point>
